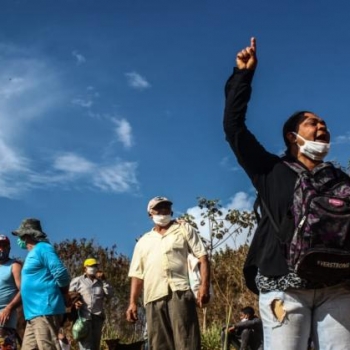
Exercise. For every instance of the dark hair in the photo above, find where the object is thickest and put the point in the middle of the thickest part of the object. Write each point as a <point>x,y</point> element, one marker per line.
<point>248,310</point>
<point>292,124</point>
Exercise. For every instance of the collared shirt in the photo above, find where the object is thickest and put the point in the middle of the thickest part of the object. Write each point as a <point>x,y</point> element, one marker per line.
<point>161,260</point>
<point>93,293</point>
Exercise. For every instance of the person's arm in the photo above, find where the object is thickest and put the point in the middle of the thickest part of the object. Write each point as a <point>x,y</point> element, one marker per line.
<point>237,92</point>
<point>54,264</point>
<point>248,324</point>
<point>5,313</point>
<point>107,288</point>
<point>135,292</point>
<point>197,248</point>
<point>203,295</point>
<point>74,293</point>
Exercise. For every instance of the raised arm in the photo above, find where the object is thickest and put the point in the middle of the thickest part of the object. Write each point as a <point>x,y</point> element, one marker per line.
<point>237,91</point>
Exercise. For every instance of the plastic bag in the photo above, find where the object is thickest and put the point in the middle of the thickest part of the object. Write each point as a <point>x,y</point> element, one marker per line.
<point>194,274</point>
<point>80,328</point>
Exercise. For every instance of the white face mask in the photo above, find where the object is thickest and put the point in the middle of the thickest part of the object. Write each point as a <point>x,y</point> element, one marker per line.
<point>161,220</point>
<point>313,149</point>
<point>91,270</point>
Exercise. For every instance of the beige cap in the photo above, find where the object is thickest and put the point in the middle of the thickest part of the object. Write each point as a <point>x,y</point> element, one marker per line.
<point>155,201</point>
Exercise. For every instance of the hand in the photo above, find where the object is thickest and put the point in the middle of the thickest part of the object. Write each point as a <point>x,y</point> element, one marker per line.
<point>246,59</point>
<point>78,304</point>
<point>131,313</point>
<point>100,275</point>
<point>203,296</point>
<point>4,315</point>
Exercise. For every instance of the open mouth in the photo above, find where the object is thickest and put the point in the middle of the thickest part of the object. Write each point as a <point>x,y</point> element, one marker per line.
<point>322,138</point>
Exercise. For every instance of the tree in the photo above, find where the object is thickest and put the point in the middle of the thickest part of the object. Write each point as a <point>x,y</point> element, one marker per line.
<point>231,293</point>
<point>227,264</point>
<point>116,267</point>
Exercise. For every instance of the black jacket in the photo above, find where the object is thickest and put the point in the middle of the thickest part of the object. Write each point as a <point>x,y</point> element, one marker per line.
<point>273,180</point>
<point>256,336</point>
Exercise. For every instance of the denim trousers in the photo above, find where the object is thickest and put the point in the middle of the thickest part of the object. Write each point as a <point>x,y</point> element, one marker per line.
<point>291,317</point>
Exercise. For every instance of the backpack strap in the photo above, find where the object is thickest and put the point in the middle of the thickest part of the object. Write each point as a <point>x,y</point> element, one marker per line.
<point>268,212</point>
<point>296,167</point>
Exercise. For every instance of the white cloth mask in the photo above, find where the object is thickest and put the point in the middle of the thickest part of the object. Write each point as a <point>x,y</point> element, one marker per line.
<point>313,149</point>
<point>91,270</point>
<point>161,220</point>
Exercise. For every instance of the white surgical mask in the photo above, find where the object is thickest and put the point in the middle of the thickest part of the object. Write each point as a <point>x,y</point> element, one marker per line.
<point>91,270</point>
<point>313,149</point>
<point>161,220</point>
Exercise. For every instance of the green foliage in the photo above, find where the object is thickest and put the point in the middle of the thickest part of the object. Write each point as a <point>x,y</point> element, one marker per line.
<point>211,338</point>
<point>231,293</point>
<point>222,226</point>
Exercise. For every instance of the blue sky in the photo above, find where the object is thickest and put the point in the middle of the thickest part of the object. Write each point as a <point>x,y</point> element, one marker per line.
<point>106,104</point>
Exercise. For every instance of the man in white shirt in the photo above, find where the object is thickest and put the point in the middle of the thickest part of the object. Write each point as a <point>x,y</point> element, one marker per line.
<point>159,268</point>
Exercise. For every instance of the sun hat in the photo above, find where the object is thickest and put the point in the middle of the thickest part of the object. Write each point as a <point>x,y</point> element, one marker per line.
<point>30,227</point>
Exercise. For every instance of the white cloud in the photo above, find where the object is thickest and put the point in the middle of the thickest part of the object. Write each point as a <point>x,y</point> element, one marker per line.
<point>82,103</point>
<point>80,59</point>
<point>226,163</point>
<point>10,160</point>
<point>135,80</point>
<point>240,201</point>
<point>14,170</point>
<point>31,89</point>
<point>123,131</point>
<point>120,177</point>
<point>72,163</point>
<point>23,81</point>
<point>89,97</point>
<point>73,171</point>
<point>342,139</point>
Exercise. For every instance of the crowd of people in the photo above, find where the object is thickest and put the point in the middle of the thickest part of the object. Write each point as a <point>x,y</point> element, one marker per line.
<point>298,262</point>
<point>44,288</point>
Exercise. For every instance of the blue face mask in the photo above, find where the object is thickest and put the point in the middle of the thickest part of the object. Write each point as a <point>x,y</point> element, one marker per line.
<point>22,244</point>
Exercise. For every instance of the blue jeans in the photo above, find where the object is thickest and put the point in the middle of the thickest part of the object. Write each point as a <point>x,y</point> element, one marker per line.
<point>291,317</point>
